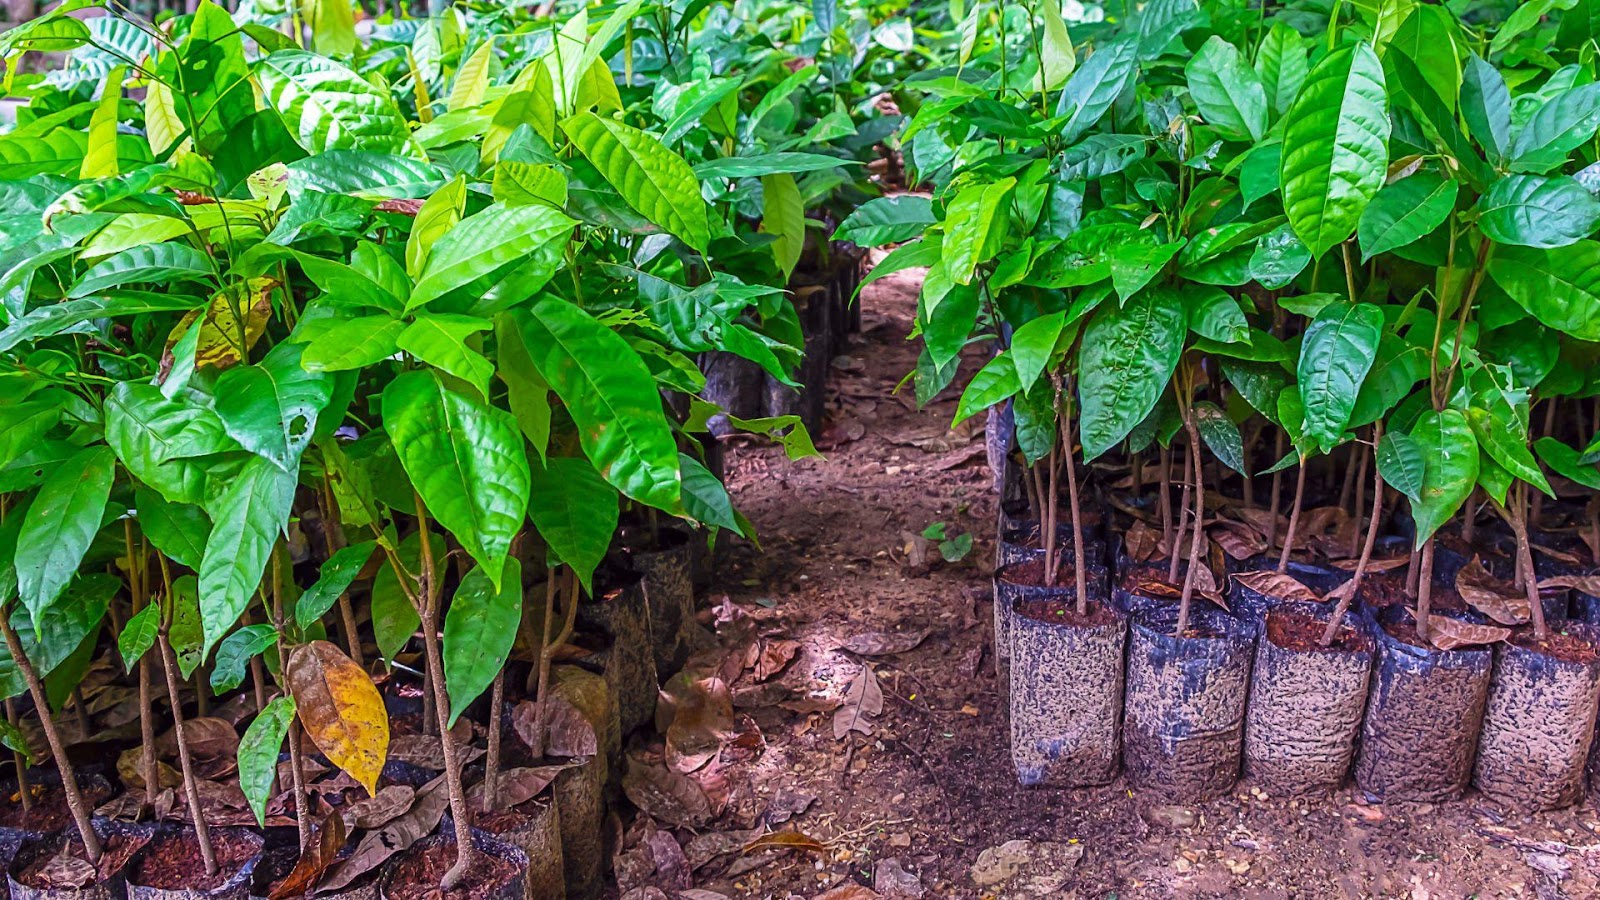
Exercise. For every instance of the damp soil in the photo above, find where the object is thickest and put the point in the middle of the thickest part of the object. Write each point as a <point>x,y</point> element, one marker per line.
<point>172,862</point>
<point>1065,612</point>
<point>49,810</point>
<point>1569,648</point>
<point>417,875</point>
<point>1032,574</point>
<point>501,821</point>
<point>43,871</point>
<point>1303,634</point>
<point>933,788</point>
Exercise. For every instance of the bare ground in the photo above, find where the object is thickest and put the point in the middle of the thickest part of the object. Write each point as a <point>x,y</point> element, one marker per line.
<point>913,806</point>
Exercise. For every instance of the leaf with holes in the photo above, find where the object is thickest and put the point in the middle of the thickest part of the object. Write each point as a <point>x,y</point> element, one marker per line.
<point>271,408</point>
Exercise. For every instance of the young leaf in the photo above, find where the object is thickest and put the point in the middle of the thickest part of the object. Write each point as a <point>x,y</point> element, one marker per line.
<point>496,239</point>
<point>248,517</point>
<point>1096,84</point>
<point>1486,105</point>
<point>1281,62</point>
<point>974,227</point>
<point>139,635</point>
<point>1559,286</point>
<point>1127,359</point>
<point>258,754</point>
<point>1567,463</point>
<point>441,340</point>
<point>438,215</point>
<point>1335,355</point>
<point>656,182</point>
<point>466,460</point>
<point>232,663</point>
<point>1401,464</point>
<point>1450,455</point>
<point>337,575</point>
<point>1536,211</point>
<point>479,629</point>
<point>341,710</point>
<point>994,383</point>
<point>1335,154</point>
<point>60,524</point>
<point>329,107</point>
<point>1565,122</point>
<point>1405,211</point>
<point>575,510</point>
<point>1227,91</point>
<point>783,215</point>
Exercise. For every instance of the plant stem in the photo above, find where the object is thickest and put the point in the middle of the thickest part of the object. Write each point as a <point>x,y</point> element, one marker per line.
<point>1294,517</point>
<point>191,782</point>
<point>1052,561</point>
<point>1277,492</point>
<point>1076,511</point>
<point>1425,590</point>
<point>491,762</point>
<point>1198,538</point>
<point>297,772</point>
<point>24,791</point>
<point>41,702</point>
<point>147,724</point>
<point>1164,499</point>
<point>429,589</point>
<point>1517,517</point>
<point>1343,606</point>
<point>548,651</point>
<point>1183,519</point>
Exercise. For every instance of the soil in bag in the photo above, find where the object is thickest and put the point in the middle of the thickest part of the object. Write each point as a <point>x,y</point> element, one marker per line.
<point>496,871</point>
<point>1066,692</point>
<point>1538,726</point>
<point>171,866</point>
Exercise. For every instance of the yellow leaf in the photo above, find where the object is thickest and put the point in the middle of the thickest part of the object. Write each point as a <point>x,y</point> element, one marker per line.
<point>783,215</point>
<point>564,59</point>
<point>1057,58</point>
<point>438,215</point>
<point>333,26</point>
<point>161,123</point>
<point>419,89</point>
<point>234,321</point>
<point>340,709</point>
<point>472,79</point>
<point>101,159</point>
<point>598,89</point>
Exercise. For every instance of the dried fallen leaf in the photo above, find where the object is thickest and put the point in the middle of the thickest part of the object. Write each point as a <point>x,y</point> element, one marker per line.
<point>315,858</point>
<point>1277,584</point>
<point>785,840</point>
<point>379,809</point>
<point>701,711</point>
<point>666,795</point>
<point>1588,584</point>
<point>1387,564</point>
<point>567,733</point>
<point>1571,559</point>
<point>1238,541</point>
<point>850,892</point>
<point>341,710</point>
<point>884,643</point>
<point>1499,600</point>
<point>377,846</point>
<point>773,657</point>
<point>862,702</point>
<point>1448,634</point>
<point>518,786</point>
<point>1143,543</point>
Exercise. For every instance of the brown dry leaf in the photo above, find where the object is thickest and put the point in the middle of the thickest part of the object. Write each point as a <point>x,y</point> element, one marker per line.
<point>66,870</point>
<point>208,738</point>
<point>377,846</point>
<point>1143,543</point>
<point>1238,541</point>
<point>1571,559</point>
<point>1277,584</point>
<point>773,657</point>
<point>315,858</point>
<point>862,702</point>
<point>703,848</point>
<point>785,840</point>
<point>1588,584</point>
<point>1151,587</point>
<point>885,643</point>
<point>379,810</point>
<point>1261,520</point>
<point>1499,600</point>
<point>850,892</point>
<point>701,719</point>
<point>518,786</point>
<point>666,795</point>
<point>567,733</point>
<point>1448,634</point>
<point>341,710</point>
<point>917,550</point>
<point>130,768</point>
<point>1386,564</point>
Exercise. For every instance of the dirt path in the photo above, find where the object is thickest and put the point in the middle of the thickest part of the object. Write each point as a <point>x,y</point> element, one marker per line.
<point>930,791</point>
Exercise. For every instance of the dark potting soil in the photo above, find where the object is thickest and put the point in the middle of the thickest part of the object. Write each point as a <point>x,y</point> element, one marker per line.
<point>1303,634</point>
<point>501,821</point>
<point>1065,612</point>
<point>172,861</point>
<point>1564,647</point>
<point>49,810</point>
<point>417,876</point>
<point>45,871</point>
<point>1031,573</point>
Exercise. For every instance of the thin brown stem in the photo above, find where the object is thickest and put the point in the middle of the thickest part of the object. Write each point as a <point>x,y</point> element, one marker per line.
<point>24,790</point>
<point>1276,500</point>
<point>191,781</point>
<point>491,762</point>
<point>1343,607</point>
<point>1197,539</point>
<point>1183,518</point>
<point>1294,517</point>
<point>1425,591</point>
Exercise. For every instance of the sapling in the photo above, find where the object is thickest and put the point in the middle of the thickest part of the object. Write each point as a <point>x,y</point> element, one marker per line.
<point>1353,586</point>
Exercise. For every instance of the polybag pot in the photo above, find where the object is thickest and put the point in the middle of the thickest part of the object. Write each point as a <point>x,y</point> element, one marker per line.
<point>1018,584</point>
<point>1020,544</point>
<point>534,828</point>
<point>171,867</point>
<point>1538,726</point>
<point>669,592</point>
<point>498,873</point>
<point>1306,700</point>
<point>49,811</point>
<point>121,842</point>
<point>580,804</point>
<point>282,852</point>
<point>1183,719</point>
<point>1066,692</point>
<point>619,610</point>
<point>1424,711</point>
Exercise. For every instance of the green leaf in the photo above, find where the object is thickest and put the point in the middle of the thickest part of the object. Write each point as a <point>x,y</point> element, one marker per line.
<point>338,573</point>
<point>1227,91</point>
<point>498,238</point>
<point>271,408</point>
<point>1486,105</point>
<point>258,754</point>
<point>1335,155</point>
<point>154,438</point>
<point>100,160</point>
<point>1505,442</point>
<point>786,162</point>
<point>575,510</point>
<point>526,391</point>
<point>1450,454</point>
<point>248,515</point>
<point>1220,434</point>
<point>783,215</point>
<point>974,227</point>
<point>440,340</point>
<point>887,220</point>
<point>326,106</point>
<point>354,343</point>
<point>1281,62</point>
<point>394,619</point>
<point>438,215</point>
<point>1335,355</point>
<point>1428,37</point>
<point>1567,462</point>
<point>139,635</point>
<point>612,398</point>
<point>465,459</point>
<point>1536,211</point>
<point>1032,345</point>
<point>1559,286</point>
<point>1401,464</point>
<point>60,524</point>
<point>479,629</point>
<point>994,383</point>
<point>1215,314</point>
<point>472,79</point>
<point>653,180</point>
<point>232,663</point>
<point>1258,383</point>
<point>1405,211</point>
<point>1565,122</point>
<point>1128,355</point>
<point>1096,84</point>
<point>178,530</point>
<point>58,152</point>
<point>704,497</point>
<point>146,263</point>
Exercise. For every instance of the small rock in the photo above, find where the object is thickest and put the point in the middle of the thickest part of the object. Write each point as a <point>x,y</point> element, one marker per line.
<point>849,892</point>
<point>1170,816</point>
<point>1237,866</point>
<point>890,879</point>
<point>1182,865</point>
<point>900,839</point>
<point>1550,865</point>
<point>1038,862</point>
